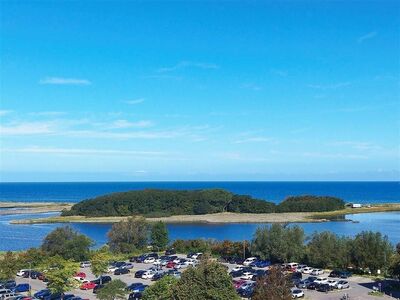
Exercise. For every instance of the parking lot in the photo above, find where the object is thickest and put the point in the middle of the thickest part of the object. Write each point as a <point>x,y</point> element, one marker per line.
<point>359,286</point>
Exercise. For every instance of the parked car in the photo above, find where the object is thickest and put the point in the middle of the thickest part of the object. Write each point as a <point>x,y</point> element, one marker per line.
<point>80,274</point>
<point>306,270</point>
<point>321,280</point>
<point>88,285</point>
<point>9,296</point>
<point>22,287</point>
<point>42,294</point>
<point>149,260</point>
<point>10,284</point>
<point>139,273</point>
<point>249,260</point>
<point>247,276</point>
<point>324,288</point>
<point>135,296</point>
<point>121,271</point>
<point>340,274</point>
<point>97,288</point>
<point>236,273</point>
<point>261,263</point>
<point>102,279</point>
<point>35,274</point>
<point>312,286</point>
<point>85,264</point>
<point>238,283</point>
<point>297,294</point>
<point>137,287</point>
<point>148,274</point>
<point>127,266</point>
<point>342,284</point>
<point>170,264</point>
<point>4,291</point>
<point>317,272</point>
<point>170,251</point>
<point>21,272</point>
<point>298,275</point>
<point>303,283</point>
<point>332,283</point>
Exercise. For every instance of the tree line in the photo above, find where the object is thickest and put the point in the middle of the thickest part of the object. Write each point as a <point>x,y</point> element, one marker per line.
<point>158,203</point>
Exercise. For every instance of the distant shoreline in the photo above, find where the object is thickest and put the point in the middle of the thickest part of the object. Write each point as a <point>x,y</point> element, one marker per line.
<point>218,218</point>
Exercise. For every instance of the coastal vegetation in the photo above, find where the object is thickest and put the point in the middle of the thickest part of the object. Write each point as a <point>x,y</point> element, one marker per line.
<point>159,203</point>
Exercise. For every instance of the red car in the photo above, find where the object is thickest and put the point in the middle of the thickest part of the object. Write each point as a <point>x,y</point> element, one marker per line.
<point>80,275</point>
<point>88,286</point>
<point>238,283</point>
<point>170,264</point>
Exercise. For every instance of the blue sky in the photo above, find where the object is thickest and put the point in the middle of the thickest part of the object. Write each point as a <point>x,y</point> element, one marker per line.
<point>118,90</point>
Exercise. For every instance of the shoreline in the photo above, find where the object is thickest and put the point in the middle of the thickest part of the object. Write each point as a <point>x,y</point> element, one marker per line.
<point>218,218</point>
<point>19,208</point>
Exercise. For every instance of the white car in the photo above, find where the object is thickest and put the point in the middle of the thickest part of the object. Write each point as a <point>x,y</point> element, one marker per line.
<point>177,260</point>
<point>249,260</point>
<point>148,274</point>
<point>321,280</point>
<point>237,268</point>
<point>306,270</point>
<point>20,273</point>
<point>111,269</point>
<point>300,268</point>
<point>342,284</point>
<point>332,283</point>
<point>190,262</point>
<point>247,276</point>
<point>85,264</point>
<point>317,272</point>
<point>297,294</point>
<point>197,255</point>
<point>149,260</point>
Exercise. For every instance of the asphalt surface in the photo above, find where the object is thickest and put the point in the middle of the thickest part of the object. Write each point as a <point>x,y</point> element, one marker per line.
<point>359,286</point>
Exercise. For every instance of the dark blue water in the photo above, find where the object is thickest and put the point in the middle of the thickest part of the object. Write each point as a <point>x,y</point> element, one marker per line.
<point>363,192</point>
<point>19,237</point>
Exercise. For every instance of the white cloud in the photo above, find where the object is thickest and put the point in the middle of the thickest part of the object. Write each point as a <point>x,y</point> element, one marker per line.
<point>5,112</point>
<point>258,139</point>
<point>135,101</point>
<point>64,81</point>
<point>27,128</point>
<point>126,124</point>
<point>333,86</point>
<point>188,64</point>
<point>80,151</point>
<point>47,113</point>
<point>367,36</point>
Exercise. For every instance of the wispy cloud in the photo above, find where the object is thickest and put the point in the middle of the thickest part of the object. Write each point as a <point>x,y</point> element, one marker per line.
<point>325,155</point>
<point>188,64</point>
<point>27,128</point>
<point>252,86</point>
<point>356,145</point>
<point>135,101</point>
<point>47,113</point>
<point>258,139</point>
<point>332,86</point>
<point>127,124</point>
<point>64,81</point>
<point>367,36</point>
<point>80,151</point>
<point>5,112</point>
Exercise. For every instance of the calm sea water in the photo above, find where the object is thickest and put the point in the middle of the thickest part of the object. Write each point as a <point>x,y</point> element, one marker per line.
<point>20,237</point>
<point>363,192</point>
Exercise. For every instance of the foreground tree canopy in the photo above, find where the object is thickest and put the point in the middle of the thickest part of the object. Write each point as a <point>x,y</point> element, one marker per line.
<point>156,203</point>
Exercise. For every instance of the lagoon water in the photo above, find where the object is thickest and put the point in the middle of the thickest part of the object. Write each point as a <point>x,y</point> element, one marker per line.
<point>19,237</point>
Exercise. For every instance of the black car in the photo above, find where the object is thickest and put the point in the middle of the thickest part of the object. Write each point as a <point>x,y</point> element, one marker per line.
<point>297,275</point>
<point>97,288</point>
<point>121,271</point>
<point>134,259</point>
<point>324,288</point>
<point>102,279</point>
<point>158,276</point>
<point>340,274</point>
<point>35,274</point>
<point>170,251</point>
<point>246,293</point>
<point>135,296</point>
<point>236,273</point>
<point>10,284</point>
<point>138,274</point>
<point>312,286</point>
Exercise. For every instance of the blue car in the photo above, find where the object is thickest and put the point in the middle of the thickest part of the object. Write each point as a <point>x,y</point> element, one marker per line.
<point>42,294</point>
<point>22,287</point>
<point>137,287</point>
<point>260,263</point>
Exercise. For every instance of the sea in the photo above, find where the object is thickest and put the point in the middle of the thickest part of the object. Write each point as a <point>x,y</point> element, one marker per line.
<point>20,237</point>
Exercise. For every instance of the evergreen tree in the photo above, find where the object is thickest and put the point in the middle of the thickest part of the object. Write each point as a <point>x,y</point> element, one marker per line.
<point>159,235</point>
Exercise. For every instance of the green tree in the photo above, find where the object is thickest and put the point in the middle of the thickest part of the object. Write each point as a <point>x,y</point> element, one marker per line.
<point>99,263</point>
<point>326,249</point>
<point>33,257</point>
<point>126,236</point>
<point>279,243</point>
<point>275,286</point>
<point>67,243</point>
<point>159,235</point>
<point>395,263</point>
<point>208,281</point>
<point>9,265</point>
<point>116,289</point>
<point>371,250</point>
<point>161,290</point>
<point>60,272</point>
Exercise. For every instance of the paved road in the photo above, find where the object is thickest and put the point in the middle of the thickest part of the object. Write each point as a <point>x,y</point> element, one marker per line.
<point>359,286</point>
